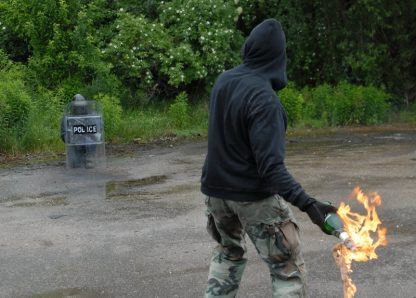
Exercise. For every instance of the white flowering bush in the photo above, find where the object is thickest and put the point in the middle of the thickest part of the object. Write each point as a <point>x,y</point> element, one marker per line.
<point>208,29</point>
<point>187,43</point>
<point>136,50</point>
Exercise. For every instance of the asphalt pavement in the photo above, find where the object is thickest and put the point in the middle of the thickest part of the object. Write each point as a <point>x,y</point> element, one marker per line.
<point>137,227</point>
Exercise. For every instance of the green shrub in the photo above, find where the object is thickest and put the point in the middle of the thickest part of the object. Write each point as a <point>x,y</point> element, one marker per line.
<point>359,105</point>
<point>144,124</point>
<point>15,104</point>
<point>204,31</point>
<point>188,43</point>
<point>14,100</point>
<point>111,112</point>
<point>104,82</point>
<point>136,49</point>
<point>42,132</point>
<point>292,101</point>
<point>5,62</point>
<point>319,103</point>
<point>67,89</point>
<point>178,111</point>
<point>59,38</point>
<point>376,105</point>
<point>406,115</point>
<point>154,121</point>
<point>346,104</point>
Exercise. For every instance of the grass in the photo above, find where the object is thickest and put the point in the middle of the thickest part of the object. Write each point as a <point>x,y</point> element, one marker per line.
<point>153,122</point>
<point>406,116</point>
<point>147,124</point>
<point>38,137</point>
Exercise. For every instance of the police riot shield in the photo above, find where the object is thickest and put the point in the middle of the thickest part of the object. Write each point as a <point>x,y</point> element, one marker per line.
<point>84,135</point>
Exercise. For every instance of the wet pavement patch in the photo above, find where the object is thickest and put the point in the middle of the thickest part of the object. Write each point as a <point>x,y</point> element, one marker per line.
<point>148,197</point>
<point>73,293</point>
<point>134,189</point>
<point>40,200</point>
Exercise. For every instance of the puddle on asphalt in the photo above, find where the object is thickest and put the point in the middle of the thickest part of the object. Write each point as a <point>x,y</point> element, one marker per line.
<point>40,200</point>
<point>72,293</point>
<point>43,202</point>
<point>143,198</point>
<point>395,137</point>
<point>132,189</point>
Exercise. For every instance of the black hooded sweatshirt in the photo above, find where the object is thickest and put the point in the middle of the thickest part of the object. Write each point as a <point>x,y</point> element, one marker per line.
<point>247,125</point>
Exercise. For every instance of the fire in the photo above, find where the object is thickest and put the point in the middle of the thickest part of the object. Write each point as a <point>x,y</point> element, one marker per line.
<point>361,229</point>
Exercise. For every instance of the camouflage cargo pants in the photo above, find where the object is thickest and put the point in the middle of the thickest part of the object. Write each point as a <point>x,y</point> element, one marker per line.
<point>271,227</point>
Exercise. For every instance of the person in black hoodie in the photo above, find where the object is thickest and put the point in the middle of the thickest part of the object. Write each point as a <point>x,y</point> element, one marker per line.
<point>244,177</point>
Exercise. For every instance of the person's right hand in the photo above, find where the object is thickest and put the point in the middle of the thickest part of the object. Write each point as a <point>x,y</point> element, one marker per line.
<point>317,212</point>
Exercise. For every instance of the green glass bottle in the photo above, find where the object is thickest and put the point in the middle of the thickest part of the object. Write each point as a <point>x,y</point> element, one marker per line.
<point>333,225</point>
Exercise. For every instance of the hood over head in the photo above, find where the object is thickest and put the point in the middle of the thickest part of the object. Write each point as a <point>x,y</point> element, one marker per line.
<point>265,52</point>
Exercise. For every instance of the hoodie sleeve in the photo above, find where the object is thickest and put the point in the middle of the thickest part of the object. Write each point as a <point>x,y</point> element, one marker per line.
<point>267,128</point>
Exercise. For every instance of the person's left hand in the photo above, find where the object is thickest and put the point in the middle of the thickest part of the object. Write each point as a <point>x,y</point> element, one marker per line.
<point>317,212</point>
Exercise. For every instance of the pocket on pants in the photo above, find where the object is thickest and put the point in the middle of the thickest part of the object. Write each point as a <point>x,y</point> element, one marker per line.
<point>294,266</point>
<point>284,241</point>
<point>290,232</point>
<point>279,250</point>
<point>269,241</point>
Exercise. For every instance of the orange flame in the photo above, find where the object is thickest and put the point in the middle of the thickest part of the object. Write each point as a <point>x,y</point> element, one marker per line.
<point>361,229</point>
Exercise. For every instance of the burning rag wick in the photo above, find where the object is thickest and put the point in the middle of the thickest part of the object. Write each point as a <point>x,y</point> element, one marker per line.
<point>360,228</point>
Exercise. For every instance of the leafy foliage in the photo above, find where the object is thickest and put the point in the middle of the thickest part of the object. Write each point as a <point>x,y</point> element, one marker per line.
<point>160,48</point>
<point>132,53</point>
<point>346,104</point>
<point>292,101</point>
<point>362,42</point>
<point>14,100</point>
<point>60,43</point>
<point>207,28</point>
<point>111,111</point>
<point>41,131</point>
<point>14,104</point>
<point>318,103</point>
<point>188,43</point>
<point>178,111</point>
